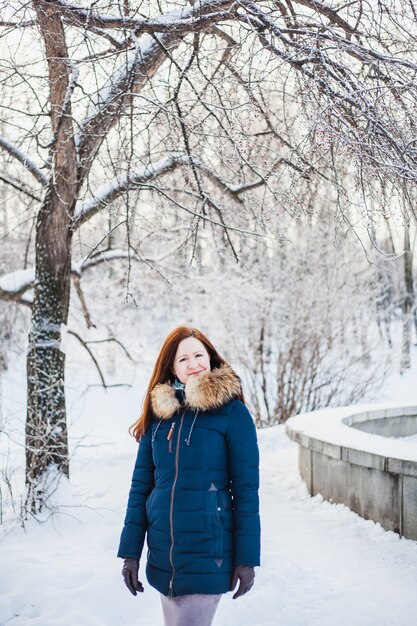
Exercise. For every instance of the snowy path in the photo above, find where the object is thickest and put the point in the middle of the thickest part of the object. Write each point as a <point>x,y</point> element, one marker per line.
<point>329,565</point>
<point>321,563</point>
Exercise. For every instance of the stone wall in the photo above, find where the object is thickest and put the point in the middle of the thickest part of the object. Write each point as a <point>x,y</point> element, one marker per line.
<point>376,486</point>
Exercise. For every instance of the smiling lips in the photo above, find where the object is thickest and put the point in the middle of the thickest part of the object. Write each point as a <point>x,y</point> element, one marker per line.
<point>193,373</point>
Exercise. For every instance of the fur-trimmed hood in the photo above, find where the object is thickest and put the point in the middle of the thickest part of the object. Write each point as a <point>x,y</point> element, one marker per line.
<point>209,390</point>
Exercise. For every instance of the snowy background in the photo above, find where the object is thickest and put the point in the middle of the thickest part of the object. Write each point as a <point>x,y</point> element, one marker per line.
<point>257,186</point>
<point>321,563</point>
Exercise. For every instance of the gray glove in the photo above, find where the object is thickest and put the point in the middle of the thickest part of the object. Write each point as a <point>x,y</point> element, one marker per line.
<point>246,576</point>
<point>130,575</point>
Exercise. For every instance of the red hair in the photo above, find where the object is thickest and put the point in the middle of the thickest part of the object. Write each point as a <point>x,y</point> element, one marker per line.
<point>163,371</point>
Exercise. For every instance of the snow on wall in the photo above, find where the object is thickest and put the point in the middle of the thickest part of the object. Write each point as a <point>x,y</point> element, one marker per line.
<point>327,425</point>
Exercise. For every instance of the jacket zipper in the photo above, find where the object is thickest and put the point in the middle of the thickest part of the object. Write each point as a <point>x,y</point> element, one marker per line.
<point>171,509</point>
<point>169,436</point>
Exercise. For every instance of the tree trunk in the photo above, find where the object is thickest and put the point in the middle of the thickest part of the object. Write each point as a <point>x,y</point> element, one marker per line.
<point>408,300</point>
<point>46,430</point>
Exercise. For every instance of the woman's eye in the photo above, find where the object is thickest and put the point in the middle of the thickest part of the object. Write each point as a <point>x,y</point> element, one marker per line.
<point>184,358</point>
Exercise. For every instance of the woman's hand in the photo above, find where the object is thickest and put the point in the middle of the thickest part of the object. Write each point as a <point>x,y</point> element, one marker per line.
<point>246,576</point>
<point>130,575</point>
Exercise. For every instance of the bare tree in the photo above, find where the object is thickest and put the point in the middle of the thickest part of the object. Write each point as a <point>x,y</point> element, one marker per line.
<point>143,94</point>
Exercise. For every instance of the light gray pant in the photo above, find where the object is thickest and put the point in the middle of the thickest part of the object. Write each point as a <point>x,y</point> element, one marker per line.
<point>196,609</point>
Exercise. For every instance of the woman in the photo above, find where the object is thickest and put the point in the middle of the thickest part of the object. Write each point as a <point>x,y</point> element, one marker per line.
<point>195,483</point>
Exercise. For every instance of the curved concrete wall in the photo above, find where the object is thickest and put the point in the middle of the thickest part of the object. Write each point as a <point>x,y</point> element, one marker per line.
<point>395,426</point>
<point>345,455</point>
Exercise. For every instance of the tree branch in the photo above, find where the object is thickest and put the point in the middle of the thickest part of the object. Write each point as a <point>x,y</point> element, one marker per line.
<point>24,159</point>
<point>115,188</point>
<point>14,284</point>
<point>84,344</point>
<point>328,12</point>
<point>7,180</point>
<point>129,80</point>
<point>108,193</point>
<point>181,20</point>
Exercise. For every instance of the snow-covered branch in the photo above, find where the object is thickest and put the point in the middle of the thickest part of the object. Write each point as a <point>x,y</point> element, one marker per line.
<point>366,54</point>
<point>104,256</point>
<point>137,69</point>
<point>181,20</point>
<point>106,194</point>
<point>12,182</point>
<point>329,11</point>
<point>109,192</point>
<point>15,284</point>
<point>24,159</point>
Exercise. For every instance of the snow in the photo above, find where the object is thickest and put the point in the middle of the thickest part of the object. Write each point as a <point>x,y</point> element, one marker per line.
<point>144,46</point>
<point>110,190</point>
<point>327,425</point>
<point>411,439</point>
<point>321,563</point>
<point>24,159</point>
<point>14,282</point>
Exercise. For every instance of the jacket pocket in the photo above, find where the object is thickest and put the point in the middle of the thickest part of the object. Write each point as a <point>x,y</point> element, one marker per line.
<point>217,526</point>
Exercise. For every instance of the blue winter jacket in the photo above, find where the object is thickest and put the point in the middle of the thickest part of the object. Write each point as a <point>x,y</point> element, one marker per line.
<point>194,491</point>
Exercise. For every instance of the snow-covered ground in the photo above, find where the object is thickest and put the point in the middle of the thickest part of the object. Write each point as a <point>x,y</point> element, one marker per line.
<point>321,563</point>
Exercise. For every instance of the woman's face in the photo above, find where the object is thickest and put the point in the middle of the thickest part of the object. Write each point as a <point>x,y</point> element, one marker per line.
<point>191,359</point>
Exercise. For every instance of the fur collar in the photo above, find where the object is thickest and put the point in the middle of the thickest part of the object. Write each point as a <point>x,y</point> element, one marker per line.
<point>208,391</point>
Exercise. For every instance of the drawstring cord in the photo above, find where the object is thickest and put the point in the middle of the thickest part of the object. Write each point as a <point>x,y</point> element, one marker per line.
<point>188,438</point>
<point>156,429</point>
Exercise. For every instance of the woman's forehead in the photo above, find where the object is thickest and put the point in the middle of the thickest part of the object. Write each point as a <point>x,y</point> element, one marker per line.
<point>189,345</point>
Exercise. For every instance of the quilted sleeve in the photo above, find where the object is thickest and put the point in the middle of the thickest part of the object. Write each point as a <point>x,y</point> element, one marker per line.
<point>243,456</point>
<point>135,524</point>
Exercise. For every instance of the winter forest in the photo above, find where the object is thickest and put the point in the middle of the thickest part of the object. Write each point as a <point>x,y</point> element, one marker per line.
<point>245,167</point>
